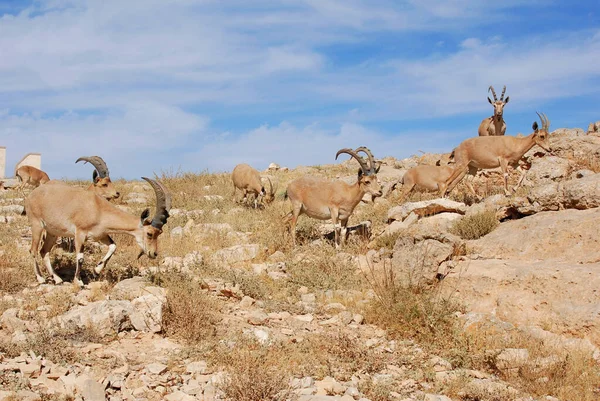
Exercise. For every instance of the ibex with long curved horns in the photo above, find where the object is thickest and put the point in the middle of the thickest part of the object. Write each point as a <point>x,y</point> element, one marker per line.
<point>101,183</point>
<point>495,151</point>
<point>60,210</point>
<point>495,124</point>
<point>323,199</point>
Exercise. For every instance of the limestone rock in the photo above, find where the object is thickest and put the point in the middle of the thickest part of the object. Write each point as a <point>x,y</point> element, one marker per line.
<point>426,208</point>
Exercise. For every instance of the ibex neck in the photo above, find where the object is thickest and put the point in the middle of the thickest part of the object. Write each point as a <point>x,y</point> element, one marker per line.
<point>525,144</point>
<point>118,221</point>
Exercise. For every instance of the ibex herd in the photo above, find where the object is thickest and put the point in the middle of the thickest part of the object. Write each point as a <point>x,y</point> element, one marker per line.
<point>56,209</point>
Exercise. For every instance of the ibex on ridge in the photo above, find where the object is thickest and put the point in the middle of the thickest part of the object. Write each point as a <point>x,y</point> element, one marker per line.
<point>495,124</point>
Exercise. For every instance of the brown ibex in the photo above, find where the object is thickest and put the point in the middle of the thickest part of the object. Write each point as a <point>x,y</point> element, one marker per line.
<point>322,199</point>
<point>487,152</point>
<point>495,124</point>
<point>60,210</point>
<point>101,183</point>
<point>427,177</point>
<point>248,180</point>
<point>29,175</point>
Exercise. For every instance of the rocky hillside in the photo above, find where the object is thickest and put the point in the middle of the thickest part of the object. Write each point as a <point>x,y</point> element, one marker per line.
<point>432,299</point>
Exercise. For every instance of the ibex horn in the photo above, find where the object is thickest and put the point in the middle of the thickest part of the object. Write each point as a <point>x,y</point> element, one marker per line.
<point>98,164</point>
<point>491,88</point>
<point>163,203</point>
<point>359,159</point>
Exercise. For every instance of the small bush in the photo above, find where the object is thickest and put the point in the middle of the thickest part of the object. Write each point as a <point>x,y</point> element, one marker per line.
<point>475,226</point>
<point>253,375</point>
<point>189,313</point>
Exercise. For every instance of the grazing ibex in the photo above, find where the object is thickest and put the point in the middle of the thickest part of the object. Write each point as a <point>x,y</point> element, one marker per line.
<point>427,177</point>
<point>60,210</point>
<point>323,199</point>
<point>29,175</point>
<point>495,124</point>
<point>248,180</point>
<point>101,183</point>
<point>495,151</point>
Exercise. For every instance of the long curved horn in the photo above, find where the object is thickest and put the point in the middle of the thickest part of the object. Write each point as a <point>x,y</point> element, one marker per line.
<point>163,203</point>
<point>502,95</point>
<point>491,88</point>
<point>366,151</point>
<point>544,120</point>
<point>359,159</point>
<point>270,186</point>
<point>547,122</point>
<point>98,164</point>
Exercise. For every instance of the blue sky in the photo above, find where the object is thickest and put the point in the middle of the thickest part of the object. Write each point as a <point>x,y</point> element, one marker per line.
<point>153,86</point>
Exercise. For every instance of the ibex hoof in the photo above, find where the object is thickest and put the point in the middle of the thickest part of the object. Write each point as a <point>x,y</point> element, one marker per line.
<point>79,282</point>
<point>41,280</point>
<point>57,280</point>
<point>98,268</point>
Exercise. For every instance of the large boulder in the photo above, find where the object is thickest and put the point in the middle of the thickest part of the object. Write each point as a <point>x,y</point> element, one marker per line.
<point>106,317</point>
<point>567,236</point>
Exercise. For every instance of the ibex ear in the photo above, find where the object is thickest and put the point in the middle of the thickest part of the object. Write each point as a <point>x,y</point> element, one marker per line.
<point>507,98</point>
<point>360,173</point>
<point>95,177</point>
<point>535,126</point>
<point>490,100</point>
<point>144,217</point>
<point>378,168</point>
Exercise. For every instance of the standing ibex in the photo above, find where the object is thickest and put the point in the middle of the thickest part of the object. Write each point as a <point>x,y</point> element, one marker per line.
<point>248,180</point>
<point>60,210</point>
<point>495,151</point>
<point>101,183</point>
<point>29,175</point>
<point>495,124</point>
<point>323,199</point>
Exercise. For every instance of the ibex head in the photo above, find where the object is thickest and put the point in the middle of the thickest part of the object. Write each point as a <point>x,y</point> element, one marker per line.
<point>498,104</point>
<point>152,228</point>
<point>269,195</point>
<point>367,174</point>
<point>542,136</point>
<point>103,186</point>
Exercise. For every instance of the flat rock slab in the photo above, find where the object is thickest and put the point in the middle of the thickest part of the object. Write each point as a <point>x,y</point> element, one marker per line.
<point>426,208</point>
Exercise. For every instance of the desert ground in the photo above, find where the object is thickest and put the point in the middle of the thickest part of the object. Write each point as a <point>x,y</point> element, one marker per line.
<point>488,298</point>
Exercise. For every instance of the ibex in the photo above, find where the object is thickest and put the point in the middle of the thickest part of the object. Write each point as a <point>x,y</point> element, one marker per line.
<point>248,180</point>
<point>60,210</point>
<point>29,175</point>
<point>427,177</point>
<point>495,124</point>
<point>101,183</point>
<point>495,151</point>
<point>323,199</point>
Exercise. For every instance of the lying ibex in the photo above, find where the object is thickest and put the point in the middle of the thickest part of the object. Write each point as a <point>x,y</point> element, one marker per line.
<point>424,177</point>
<point>323,199</point>
<point>495,151</point>
<point>29,175</point>
<point>248,180</point>
<point>60,210</point>
<point>101,183</point>
<point>495,124</point>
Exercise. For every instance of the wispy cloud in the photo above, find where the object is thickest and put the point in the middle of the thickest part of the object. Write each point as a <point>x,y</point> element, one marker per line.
<point>207,84</point>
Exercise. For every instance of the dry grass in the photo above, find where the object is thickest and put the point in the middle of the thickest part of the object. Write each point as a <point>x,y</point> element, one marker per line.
<point>476,225</point>
<point>254,376</point>
<point>189,313</point>
<point>406,309</point>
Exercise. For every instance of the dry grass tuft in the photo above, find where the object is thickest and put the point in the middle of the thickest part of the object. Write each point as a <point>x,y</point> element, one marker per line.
<point>254,376</point>
<point>189,313</point>
<point>476,225</point>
